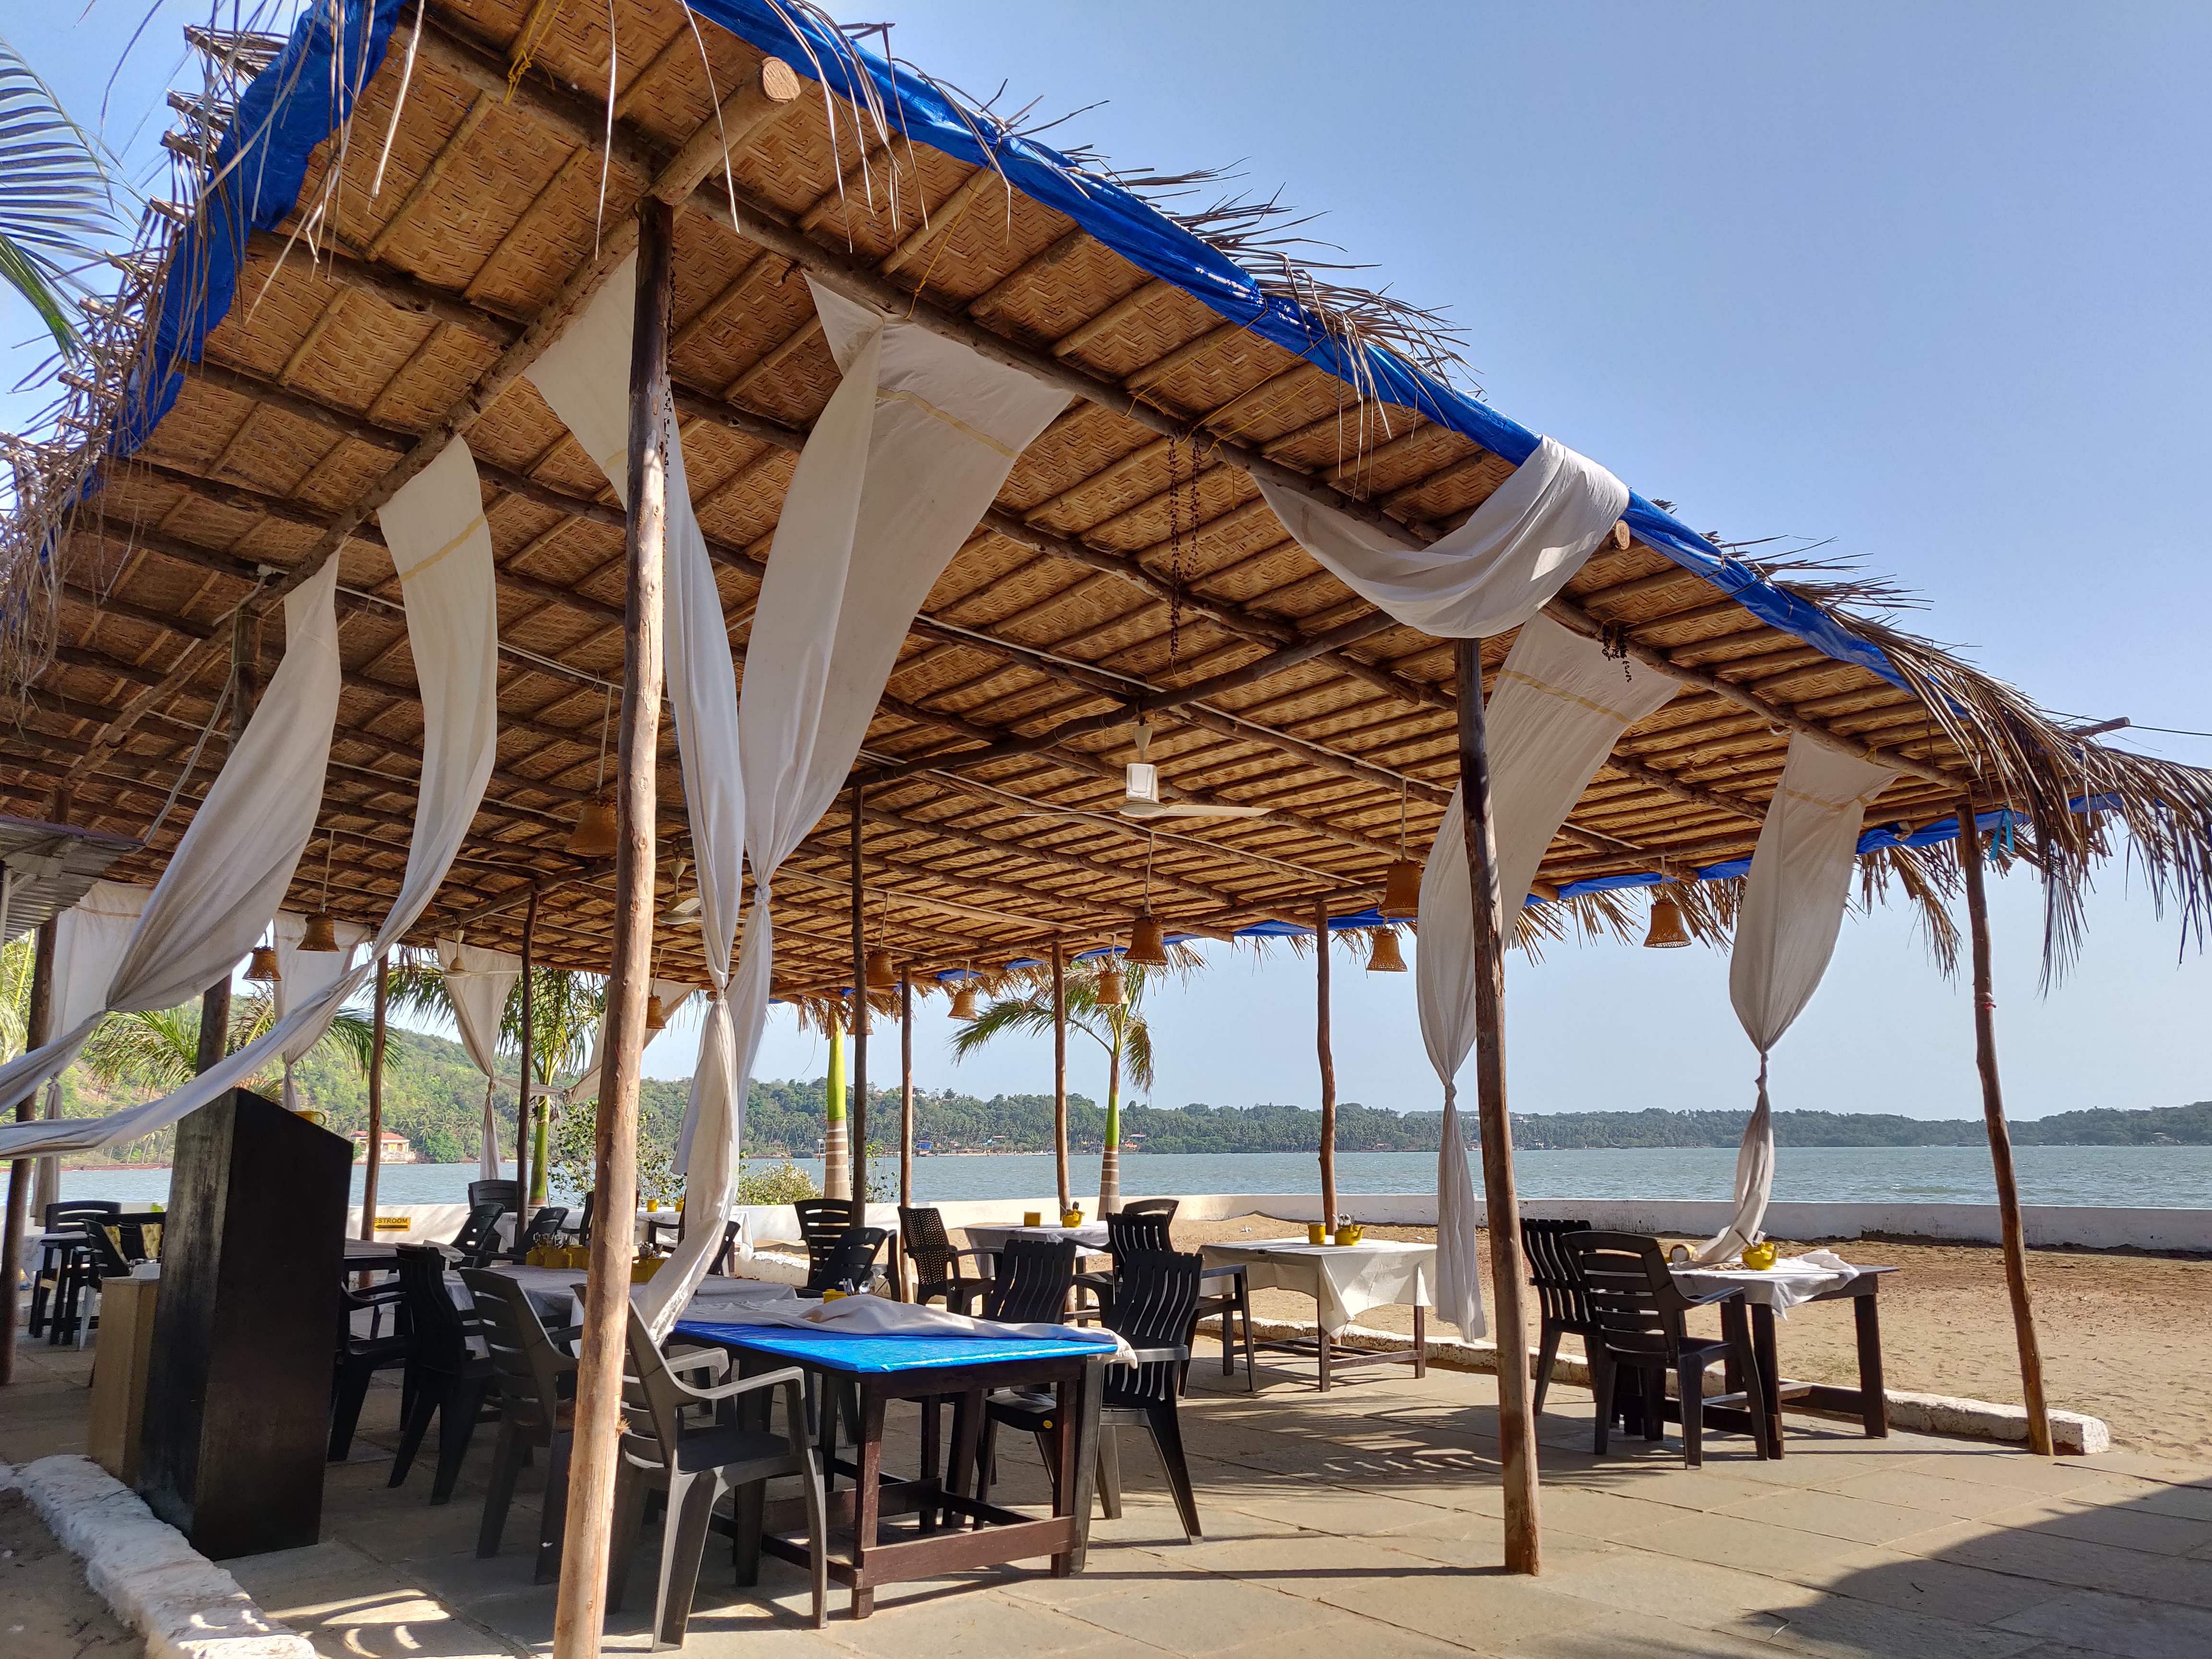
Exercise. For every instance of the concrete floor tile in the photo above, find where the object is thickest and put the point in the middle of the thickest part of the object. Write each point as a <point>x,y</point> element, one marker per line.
<point>1195,1614</point>
<point>1938,1588</point>
<point>968,1625</point>
<point>1830,1514</point>
<point>2125,1526</point>
<point>1632,1635</point>
<point>1684,1592</point>
<point>1729,1540</point>
<point>1487,1612</point>
<point>2123,1625</point>
<point>1939,1495</point>
<point>1841,1627</point>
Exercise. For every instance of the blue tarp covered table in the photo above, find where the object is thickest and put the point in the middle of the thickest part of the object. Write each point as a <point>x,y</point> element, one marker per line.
<point>865,1373</point>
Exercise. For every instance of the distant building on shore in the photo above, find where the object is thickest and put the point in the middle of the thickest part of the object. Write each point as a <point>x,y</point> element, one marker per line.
<point>395,1149</point>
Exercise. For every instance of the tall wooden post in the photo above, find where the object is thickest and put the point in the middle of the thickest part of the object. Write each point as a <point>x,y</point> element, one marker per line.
<point>1993,1118</point>
<point>38,1031</point>
<point>1516,1424</point>
<point>1327,1062</point>
<point>1060,1073</point>
<point>525,1109</point>
<point>580,1609</point>
<point>215,1002</point>
<point>377,1035</point>
<point>857,1118</point>
<point>906,1085</point>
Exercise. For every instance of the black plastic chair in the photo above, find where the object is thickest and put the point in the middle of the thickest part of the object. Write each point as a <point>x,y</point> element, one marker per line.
<point>112,1243</point>
<point>1156,1301</point>
<point>936,1259</point>
<point>849,1264</point>
<point>449,1370</point>
<point>1164,1207</point>
<point>1033,1281</point>
<point>536,1409</point>
<point>822,1221</point>
<point>360,1356</point>
<point>545,1227</point>
<point>507,1194</point>
<point>1561,1293</point>
<point>58,1256</point>
<point>478,1241</point>
<point>1639,1311</point>
<point>740,1453</point>
<point>582,1232</point>
<point>1127,1232</point>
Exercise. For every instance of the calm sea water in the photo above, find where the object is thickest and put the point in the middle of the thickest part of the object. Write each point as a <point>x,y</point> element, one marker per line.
<point>2158,1177</point>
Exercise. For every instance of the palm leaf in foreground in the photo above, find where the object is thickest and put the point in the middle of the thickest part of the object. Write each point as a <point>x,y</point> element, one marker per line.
<point>54,197</point>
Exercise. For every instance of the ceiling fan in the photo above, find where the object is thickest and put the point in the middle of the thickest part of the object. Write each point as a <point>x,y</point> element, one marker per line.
<point>684,912</point>
<point>1140,792</point>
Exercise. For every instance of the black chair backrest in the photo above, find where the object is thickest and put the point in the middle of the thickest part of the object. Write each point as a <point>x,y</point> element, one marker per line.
<point>528,1364</point>
<point>1033,1279</point>
<point>507,1194</point>
<point>1154,1305</point>
<point>584,1227</point>
<point>1166,1207</point>
<point>1553,1270</point>
<point>60,1216</point>
<point>1128,1234</point>
<point>545,1227</point>
<point>478,1238</point>
<point>926,1244</point>
<point>1636,1306</point>
<point>847,1265</point>
<point>442,1330</point>
<point>108,1261</point>
<point>731,1232</point>
<point>822,1223</point>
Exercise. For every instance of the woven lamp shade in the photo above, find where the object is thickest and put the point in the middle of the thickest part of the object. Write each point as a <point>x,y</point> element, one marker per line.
<point>1146,947</point>
<point>595,835</point>
<point>656,1015</point>
<point>1666,933</point>
<point>320,933</point>
<point>1110,992</point>
<point>261,966</point>
<point>1382,957</point>
<point>881,976</point>
<point>963,1003</point>
<point>1401,891</point>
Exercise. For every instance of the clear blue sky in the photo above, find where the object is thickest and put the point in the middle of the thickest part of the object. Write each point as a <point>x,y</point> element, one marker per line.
<point>1926,281</point>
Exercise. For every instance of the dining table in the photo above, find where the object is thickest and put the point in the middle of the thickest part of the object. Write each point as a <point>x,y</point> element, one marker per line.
<point>953,1530</point>
<point>1768,1294</point>
<point>1345,1280</point>
<point>1089,1237</point>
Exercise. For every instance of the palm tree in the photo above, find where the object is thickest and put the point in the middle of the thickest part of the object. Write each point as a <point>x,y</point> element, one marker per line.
<point>16,964</point>
<point>54,197</point>
<point>160,1047</point>
<point>1119,1029</point>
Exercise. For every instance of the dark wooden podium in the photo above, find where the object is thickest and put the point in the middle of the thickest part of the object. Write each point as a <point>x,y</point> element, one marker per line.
<point>238,1397</point>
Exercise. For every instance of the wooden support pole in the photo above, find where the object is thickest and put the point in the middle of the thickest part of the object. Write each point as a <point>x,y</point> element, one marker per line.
<point>1993,1118</point>
<point>526,1177</point>
<point>377,1035</point>
<point>857,1117</point>
<point>37,1030</point>
<point>1060,1073</point>
<point>1516,1424</point>
<point>580,1609</point>
<point>905,1084</point>
<point>1327,1062</point>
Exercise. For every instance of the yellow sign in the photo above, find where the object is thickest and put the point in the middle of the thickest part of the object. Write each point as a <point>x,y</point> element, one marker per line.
<point>394,1224</point>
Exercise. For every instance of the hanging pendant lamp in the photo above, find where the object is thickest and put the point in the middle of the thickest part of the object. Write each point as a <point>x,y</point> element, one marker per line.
<point>656,1014</point>
<point>320,933</point>
<point>1402,882</point>
<point>881,976</point>
<point>261,966</point>
<point>964,1002</point>
<point>1666,932</point>
<point>1111,993</point>
<point>597,834</point>
<point>1382,957</point>
<point>1147,949</point>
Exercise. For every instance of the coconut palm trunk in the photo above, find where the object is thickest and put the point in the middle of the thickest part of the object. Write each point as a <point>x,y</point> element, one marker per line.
<point>836,1152</point>
<point>1109,1156</point>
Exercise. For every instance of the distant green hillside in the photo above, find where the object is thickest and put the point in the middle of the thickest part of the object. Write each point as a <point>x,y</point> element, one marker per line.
<point>435,1096</point>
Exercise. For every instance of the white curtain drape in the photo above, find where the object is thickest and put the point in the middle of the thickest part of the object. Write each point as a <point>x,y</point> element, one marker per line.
<point>1558,707</point>
<point>1793,907</point>
<point>305,975</point>
<point>230,871</point>
<point>441,549</point>
<point>478,982</point>
<point>90,940</point>
<point>909,452</point>
<point>1494,572</point>
<point>674,994</point>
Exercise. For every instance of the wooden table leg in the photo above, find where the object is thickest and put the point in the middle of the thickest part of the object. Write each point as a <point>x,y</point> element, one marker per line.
<point>932,1457</point>
<point>867,1496</point>
<point>1323,1332</point>
<point>1076,1486</point>
<point>1873,1396</point>
<point>1420,1341</point>
<point>1770,1372</point>
<point>964,1479</point>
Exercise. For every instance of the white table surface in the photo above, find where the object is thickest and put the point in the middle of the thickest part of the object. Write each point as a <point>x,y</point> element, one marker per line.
<point>1345,1280</point>
<point>1789,1281</point>
<point>1092,1236</point>
<point>552,1291</point>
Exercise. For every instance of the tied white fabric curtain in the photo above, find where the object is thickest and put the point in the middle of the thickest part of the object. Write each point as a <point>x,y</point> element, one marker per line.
<point>478,982</point>
<point>909,452</point>
<point>1793,907</point>
<point>90,940</point>
<point>1494,572</point>
<point>304,977</point>
<point>235,859</point>
<point>674,994</point>
<point>441,549</point>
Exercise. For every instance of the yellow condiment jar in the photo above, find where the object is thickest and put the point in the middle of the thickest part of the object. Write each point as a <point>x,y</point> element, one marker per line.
<point>1071,1218</point>
<point>1758,1257</point>
<point>833,1295</point>
<point>1032,1217</point>
<point>1316,1233</point>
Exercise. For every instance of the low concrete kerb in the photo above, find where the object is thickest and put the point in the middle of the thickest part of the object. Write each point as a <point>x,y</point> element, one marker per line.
<point>2073,1434</point>
<point>186,1607</point>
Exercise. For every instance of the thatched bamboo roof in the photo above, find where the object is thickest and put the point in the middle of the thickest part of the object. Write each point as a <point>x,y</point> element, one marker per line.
<point>1129,567</point>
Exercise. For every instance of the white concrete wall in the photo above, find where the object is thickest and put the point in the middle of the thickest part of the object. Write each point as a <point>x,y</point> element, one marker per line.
<point>2047,1224</point>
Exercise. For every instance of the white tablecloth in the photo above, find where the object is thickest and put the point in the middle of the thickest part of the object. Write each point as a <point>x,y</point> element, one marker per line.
<point>551,1292</point>
<point>1092,1236</point>
<point>1789,1281</point>
<point>1345,1280</point>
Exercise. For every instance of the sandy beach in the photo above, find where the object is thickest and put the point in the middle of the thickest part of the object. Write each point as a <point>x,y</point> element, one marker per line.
<point>2124,1335</point>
